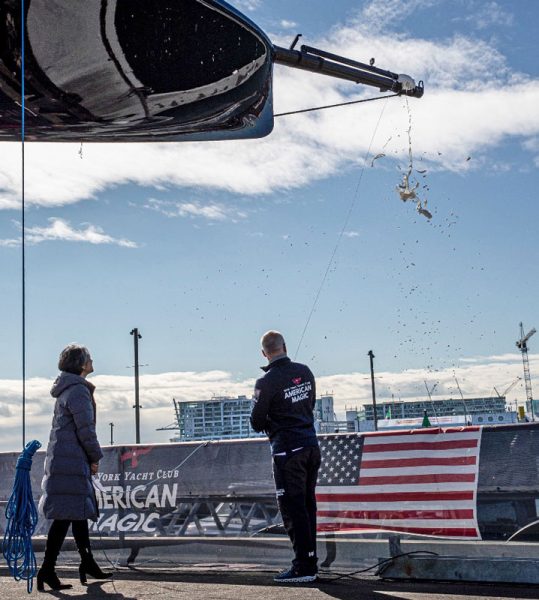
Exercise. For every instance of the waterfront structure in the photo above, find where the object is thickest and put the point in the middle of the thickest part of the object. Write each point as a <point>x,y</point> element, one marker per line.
<point>219,418</point>
<point>448,407</point>
<point>224,417</point>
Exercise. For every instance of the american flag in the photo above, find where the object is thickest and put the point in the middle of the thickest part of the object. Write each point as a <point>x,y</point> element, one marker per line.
<point>422,481</point>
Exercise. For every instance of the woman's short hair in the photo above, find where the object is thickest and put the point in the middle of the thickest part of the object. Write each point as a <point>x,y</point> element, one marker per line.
<point>73,358</point>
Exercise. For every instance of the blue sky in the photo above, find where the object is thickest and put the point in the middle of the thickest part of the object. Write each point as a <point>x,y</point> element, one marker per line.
<point>203,247</point>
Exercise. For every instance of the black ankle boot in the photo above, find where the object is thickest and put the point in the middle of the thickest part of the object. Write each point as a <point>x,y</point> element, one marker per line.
<point>88,566</point>
<point>48,575</point>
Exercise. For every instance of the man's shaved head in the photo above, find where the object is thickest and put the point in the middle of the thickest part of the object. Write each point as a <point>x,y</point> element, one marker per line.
<point>273,343</point>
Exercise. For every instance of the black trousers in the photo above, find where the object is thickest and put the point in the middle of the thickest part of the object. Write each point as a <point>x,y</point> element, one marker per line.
<point>57,533</point>
<point>295,481</point>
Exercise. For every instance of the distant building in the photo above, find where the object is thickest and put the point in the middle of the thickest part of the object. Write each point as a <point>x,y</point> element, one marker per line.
<point>325,418</point>
<point>220,418</point>
<point>535,407</point>
<point>224,417</point>
<point>437,408</point>
<point>504,418</point>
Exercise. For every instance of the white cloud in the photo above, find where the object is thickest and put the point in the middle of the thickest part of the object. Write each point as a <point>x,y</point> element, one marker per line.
<point>288,24</point>
<point>502,358</point>
<point>488,15</point>
<point>468,87</point>
<point>5,410</point>
<point>249,5</point>
<point>60,230</point>
<point>378,15</point>
<point>351,234</point>
<point>212,211</point>
<point>114,394</point>
<point>531,144</point>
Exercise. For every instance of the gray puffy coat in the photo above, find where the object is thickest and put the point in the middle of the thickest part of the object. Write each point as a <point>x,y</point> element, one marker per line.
<point>67,484</point>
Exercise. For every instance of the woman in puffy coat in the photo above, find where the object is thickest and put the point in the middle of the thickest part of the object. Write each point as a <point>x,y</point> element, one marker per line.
<point>73,456</point>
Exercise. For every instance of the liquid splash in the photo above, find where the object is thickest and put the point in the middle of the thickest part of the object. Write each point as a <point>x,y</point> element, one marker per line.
<point>408,188</point>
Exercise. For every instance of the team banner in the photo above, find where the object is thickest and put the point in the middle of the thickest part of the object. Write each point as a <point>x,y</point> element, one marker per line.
<point>457,483</point>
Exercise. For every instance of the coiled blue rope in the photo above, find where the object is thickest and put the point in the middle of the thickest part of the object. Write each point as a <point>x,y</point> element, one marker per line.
<point>21,515</point>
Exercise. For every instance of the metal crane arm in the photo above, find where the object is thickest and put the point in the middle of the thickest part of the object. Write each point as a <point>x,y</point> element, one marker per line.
<point>512,386</point>
<point>326,63</point>
<point>528,335</point>
<point>521,343</point>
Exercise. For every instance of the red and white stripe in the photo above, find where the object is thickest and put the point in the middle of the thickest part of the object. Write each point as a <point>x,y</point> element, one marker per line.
<point>422,481</point>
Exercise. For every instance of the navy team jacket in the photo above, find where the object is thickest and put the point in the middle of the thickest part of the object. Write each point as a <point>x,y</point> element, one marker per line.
<point>283,405</point>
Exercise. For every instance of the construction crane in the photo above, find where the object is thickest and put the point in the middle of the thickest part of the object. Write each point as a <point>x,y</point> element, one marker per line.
<point>462,398</point>
<point>508,389</point>
<point>522,345</point>
<point>429,394</point>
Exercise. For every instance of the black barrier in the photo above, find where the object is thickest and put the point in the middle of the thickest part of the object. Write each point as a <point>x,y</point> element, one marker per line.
<point>225,488</point>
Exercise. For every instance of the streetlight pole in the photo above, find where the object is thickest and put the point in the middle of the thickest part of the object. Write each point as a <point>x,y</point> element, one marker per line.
<point>371,357</point>
<point>136,337</point>
<point>111,433</point>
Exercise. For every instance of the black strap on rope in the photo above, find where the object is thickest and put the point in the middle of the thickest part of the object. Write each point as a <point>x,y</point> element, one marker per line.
<point>23,255</point>
<point>304,110</point>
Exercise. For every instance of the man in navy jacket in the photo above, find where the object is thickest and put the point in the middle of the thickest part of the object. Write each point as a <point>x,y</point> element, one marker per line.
<point>283,408</point>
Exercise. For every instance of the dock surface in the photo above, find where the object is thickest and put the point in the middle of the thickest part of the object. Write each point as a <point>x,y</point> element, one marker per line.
<point>254,582</point>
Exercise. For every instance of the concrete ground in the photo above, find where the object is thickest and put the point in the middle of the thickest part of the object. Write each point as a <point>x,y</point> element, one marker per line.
<point>253,582</point>
<point>243,569</point>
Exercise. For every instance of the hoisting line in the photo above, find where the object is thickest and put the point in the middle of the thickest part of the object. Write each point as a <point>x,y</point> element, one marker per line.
<point>23,256</point>
<point>344,227</point>
<point>304,110</point>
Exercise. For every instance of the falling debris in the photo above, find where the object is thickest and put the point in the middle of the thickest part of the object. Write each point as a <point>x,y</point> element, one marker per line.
<point>405,192</point>
<point>381,155</point>
<point>408,187</point>
<point>423,211</point>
